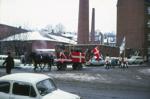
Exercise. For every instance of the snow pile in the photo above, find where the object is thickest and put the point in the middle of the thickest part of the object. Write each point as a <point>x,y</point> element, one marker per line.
<point>30,36</point>
<point>62,39</point>
<point>80,77</point>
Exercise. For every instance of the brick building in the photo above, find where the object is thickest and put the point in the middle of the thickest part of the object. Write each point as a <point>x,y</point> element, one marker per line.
<point>6,30</point>
<point>31,41</point>
<point>133,24</point>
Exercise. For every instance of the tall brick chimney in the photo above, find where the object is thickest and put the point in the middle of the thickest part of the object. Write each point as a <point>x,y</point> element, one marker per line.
<point>93,27</point>
<point>130,23</point>
<point>83,22</point>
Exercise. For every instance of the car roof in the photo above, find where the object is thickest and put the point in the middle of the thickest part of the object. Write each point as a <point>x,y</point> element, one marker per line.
<point>136,57</point>
<point>25,77</point>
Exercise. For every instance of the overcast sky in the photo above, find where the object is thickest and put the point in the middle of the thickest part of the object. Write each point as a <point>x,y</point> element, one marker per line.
<point>39,13</point>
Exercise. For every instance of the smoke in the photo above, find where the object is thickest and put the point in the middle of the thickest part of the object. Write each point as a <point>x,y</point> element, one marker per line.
<point>39,45</point>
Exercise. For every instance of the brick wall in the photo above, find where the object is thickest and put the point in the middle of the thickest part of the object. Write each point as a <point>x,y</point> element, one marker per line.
<point>6,30</point>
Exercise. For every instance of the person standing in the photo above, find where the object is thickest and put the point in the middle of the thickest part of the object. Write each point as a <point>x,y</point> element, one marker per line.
<point>107,62</point>
<point>9,63</point>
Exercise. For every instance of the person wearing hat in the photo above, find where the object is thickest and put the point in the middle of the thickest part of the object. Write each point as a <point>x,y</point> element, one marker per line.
<point>9,63</point>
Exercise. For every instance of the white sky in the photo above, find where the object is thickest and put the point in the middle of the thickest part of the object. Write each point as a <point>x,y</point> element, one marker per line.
<point>39,13</point>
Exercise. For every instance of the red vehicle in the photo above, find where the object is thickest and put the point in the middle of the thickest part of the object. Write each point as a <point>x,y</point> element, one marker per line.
<point>65,56</point>
<point>75,54</point>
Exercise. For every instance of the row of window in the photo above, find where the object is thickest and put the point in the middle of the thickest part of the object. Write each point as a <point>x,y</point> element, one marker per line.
<point>148,37</point>
<point>18,89</point>
<point>149,50</point>
<point>148,10</point>
<point>148,25</point>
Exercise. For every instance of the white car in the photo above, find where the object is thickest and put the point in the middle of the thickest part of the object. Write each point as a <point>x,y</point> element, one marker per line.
<point>135,60</point>
<point>31,86</point>
<point>3,57</point>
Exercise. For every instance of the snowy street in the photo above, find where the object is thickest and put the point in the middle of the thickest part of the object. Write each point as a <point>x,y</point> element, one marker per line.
<point>100,83</point>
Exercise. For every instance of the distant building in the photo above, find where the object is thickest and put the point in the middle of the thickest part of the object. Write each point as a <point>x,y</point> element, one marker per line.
<point>133,24</point>
<point>98,38</point>
<point>109,39</point>
<point>31,41</point>
<point>18,40</point>
<point>6,30</point>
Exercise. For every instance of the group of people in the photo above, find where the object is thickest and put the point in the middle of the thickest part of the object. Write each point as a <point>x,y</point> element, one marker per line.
<point>121,62</point>
<point>38,60</point>
<point>41,60</point>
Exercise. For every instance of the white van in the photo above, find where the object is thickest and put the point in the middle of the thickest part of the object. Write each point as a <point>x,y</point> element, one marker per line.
<point>3,57</point>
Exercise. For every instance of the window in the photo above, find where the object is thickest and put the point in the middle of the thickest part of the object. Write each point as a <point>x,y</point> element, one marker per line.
<point>23,89</point>
<point>4,87</point>
<point>148,24</point>
<point>148,36</point>
<point>148,50</point>
<point>148,10</point>
<point>46,86</point>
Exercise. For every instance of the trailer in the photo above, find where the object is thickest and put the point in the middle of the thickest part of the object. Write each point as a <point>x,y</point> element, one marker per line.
<point>78,49</point>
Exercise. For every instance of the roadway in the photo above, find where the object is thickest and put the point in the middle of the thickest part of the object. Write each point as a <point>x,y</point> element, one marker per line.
<point>100,83</point>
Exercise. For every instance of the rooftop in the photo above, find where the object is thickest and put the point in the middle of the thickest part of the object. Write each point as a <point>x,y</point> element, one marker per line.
<point>30,36</point>
<point>25,77</point>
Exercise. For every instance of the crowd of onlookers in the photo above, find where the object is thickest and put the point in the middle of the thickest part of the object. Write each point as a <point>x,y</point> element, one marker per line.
<point>121,62</point>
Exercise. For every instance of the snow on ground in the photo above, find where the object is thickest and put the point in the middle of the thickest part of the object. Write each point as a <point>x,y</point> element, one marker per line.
<point>145,71</point>
<point>72,75</point>
<point>80,77</point>
<point>27,66</point>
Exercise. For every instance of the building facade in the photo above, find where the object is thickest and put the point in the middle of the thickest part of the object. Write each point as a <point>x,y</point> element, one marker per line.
<point>30,42</point>
<point>147,27</point>
<point>133,24</point>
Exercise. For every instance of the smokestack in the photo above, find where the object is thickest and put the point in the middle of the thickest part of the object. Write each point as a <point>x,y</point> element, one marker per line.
<point>83,22</point>
<point>93,26</point>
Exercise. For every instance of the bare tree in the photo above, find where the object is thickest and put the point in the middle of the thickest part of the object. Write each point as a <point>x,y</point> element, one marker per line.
<point>49,28</point>
<point>59,28</point>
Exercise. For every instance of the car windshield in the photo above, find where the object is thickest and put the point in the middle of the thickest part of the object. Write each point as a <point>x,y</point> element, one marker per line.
<point>46,86</point>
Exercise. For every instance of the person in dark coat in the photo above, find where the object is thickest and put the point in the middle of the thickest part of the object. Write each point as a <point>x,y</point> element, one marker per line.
<point>9,63</point>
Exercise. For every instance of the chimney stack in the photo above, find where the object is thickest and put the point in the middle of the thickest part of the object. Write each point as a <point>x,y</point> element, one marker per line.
<point>83,22</point>
<point>93,26</point>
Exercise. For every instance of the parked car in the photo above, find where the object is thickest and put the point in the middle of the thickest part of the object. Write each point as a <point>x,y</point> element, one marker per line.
<point>93,61</point>
<point>31,86</point>
<point>3,57</point>
<point>136,60</point>
<point>114,61</point>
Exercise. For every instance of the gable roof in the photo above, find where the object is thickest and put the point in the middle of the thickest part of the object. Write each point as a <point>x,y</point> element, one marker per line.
<point>31,36</point>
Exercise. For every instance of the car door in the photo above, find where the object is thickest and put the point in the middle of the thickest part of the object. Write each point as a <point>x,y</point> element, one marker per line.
<point>4,89</point>
<point>23,90</point>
